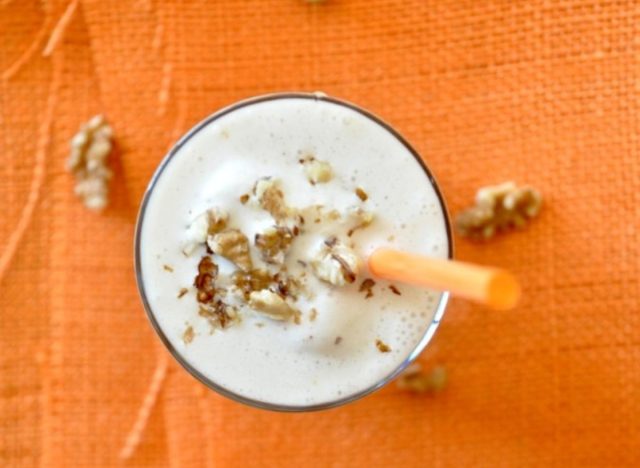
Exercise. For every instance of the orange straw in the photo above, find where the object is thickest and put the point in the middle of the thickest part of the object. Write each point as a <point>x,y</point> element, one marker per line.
<point>491,286</point>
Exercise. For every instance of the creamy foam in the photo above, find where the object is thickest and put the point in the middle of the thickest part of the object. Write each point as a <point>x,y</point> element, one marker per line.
<point>282,363</point>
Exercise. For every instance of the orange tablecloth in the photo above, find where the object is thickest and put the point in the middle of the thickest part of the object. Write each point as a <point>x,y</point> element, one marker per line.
<point>544,92</point>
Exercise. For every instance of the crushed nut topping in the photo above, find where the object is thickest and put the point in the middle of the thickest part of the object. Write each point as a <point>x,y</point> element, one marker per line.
<point>233,245</point>
<point>219,314</point>
<point>273,306</point>
<point>274,243</point>
<point>273,293</point>
<point>414,379</point>
<point>338,340</point>
<point>317,172</point>
<point>205,224</point>
<point>90,149</point>
<point>367,285</point>
<point>188,335</point>
<point>395,290</point>
<point>362,195</point>
<point>270,197</point>
<point>382,347</point>
<point>497,209</point>
<point>336,263</point>
<point>167,268</point>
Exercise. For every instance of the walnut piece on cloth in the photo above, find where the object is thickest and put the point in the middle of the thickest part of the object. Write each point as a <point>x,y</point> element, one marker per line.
<point>88,162</point>
<point>497,209</point>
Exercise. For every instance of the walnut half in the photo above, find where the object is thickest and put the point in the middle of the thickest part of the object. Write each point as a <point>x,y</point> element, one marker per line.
<point>498,208</point>
<point>90,149</point>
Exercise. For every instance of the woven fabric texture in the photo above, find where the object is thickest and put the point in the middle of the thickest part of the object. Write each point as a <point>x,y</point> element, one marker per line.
<point>543,92</point>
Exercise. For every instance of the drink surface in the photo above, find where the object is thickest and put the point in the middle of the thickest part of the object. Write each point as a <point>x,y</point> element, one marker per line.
<point>332,353</point>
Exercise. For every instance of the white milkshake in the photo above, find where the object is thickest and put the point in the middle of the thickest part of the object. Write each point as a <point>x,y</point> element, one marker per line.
<point>339,341</point>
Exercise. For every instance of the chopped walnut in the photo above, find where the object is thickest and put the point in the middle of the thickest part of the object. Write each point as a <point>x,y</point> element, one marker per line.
<point>244,198</point>
<point>90,149</point>
<point>497,209</point>
<point>395,290</point>
<point>338,340</point>
<point>415,380</point>
<point>233,245</point>
<point>188,335</point>
<point>382,347</point>
<point>274,243</point>
<point>271,198</point>
<point>286,286</point>
<point>273,306</point>
<point>168,268</point>
<point>219,314</point>
<point>357,218</point>
<point>362,195</point>
<point>205,224</point>
<point>182,292</point>
<point>205,280</point>
<point>252,280</point>
<point>336,263</point>
<point>367,285</point>
<point>317,172</point>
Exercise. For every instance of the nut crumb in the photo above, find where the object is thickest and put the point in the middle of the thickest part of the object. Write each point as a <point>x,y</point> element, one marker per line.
<point>367,285</point>
<point>167,268</point>
<point>362,195</point>
<point>382,347</point>
<point>338,340</point>
<point>182,292</point>
<point>497,209</point>
<point>188,335</point>
<point>233,245</point>
<point>244,198</point>
<point>90,149</point>
<point>219,314</point>
<point>317,172</point>
<point>274,243</point>
<point>252,280</point>
<point>205,280</point>
<point>313,314</point>
<point>415,380</point>
<point>358,218</point>
<point>395,290</point>
<point>273,306</point>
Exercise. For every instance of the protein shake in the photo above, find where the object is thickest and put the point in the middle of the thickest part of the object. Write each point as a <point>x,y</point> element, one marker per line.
<point>251,252</point>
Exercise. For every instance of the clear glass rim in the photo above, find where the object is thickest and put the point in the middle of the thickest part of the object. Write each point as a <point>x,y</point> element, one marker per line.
<point>429,332</point>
